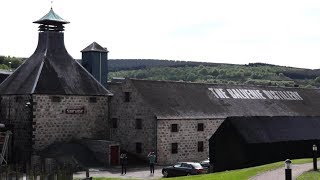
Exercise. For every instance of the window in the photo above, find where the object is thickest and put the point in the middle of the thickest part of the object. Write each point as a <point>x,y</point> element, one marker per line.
<point>93,99</point>
<point>174,148</point>
<point>114,122</point>
<point>174,127</point>
<point>200,127</point>
<point>200,146</point>
<point>138,123</point>
<point>55,99</point>
<point>126,96</point>
<point>138,147</point>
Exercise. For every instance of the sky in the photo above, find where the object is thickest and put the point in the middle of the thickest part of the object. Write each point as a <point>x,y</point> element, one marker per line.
<point>281,32</point>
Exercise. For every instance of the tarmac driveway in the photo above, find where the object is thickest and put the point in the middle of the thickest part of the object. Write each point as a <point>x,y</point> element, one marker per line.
<point>139,172</point>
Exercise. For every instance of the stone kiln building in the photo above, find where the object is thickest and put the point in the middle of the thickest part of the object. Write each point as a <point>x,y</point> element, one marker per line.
<point>51,98</point>
<point>177,119</point>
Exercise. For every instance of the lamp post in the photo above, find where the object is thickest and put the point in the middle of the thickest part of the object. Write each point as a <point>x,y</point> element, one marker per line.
<point>10,65</point>
<point>314,150</point>
<point>288,171</point>
<point>29,109</point>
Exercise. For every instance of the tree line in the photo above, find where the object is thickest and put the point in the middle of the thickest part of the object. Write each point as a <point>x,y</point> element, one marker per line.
<point>269,75</point>
<point>9,62</point>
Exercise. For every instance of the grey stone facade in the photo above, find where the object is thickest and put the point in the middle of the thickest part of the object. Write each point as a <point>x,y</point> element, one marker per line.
<point>45,122</point>
<point>156,134</point>
<point>51,122</point>
<point>126,115</point>
<point>101,149</point>
<point>187,139</point>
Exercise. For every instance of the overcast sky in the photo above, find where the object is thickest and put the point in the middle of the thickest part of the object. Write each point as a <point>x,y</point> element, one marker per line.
<point>282,32</point>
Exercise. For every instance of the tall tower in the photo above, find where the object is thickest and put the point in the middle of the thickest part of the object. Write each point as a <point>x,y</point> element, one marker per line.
<point>50,87</point>
<point>95,60</point>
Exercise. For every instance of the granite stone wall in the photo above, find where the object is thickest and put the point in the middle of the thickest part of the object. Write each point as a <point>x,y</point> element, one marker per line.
<point>187,138</point>
<point>100,149</point>
<point>126,114</point>
<point>64,118</point>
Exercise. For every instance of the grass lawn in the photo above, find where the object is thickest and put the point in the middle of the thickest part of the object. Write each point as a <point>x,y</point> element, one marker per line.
<point>109,179</point>
<point>242,174</point>
<point>310,175</point>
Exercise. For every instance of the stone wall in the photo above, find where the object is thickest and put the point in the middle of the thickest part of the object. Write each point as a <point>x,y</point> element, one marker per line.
<point>15,112</point>
<point>52,123</point>
<point>126,114</point>
<point>187,138</point>
<point>101,149</point>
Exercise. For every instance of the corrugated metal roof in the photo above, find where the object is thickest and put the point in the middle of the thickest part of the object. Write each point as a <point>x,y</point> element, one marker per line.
<point>94,47</point>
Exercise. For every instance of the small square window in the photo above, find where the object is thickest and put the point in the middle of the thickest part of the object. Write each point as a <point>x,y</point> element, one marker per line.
<point>114,122</point>
<point>93,99</point>
<point>174,148</point>
<point>138,147</point>
<point>19,99</point>
<point>126,96</point>
<point>200,126</point>
<point>55,99</point>
<point>174,127</point>
<point>200,146</point>
<point>138,123</point>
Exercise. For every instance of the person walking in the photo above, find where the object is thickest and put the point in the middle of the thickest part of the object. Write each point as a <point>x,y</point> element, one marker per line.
<point>152,161</point>
<point>124,163</point>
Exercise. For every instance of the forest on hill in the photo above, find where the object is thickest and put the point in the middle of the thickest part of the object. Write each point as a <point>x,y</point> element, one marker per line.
<point>252,73</point>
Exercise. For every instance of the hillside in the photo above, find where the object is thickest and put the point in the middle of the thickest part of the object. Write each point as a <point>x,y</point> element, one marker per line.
<point>253,73</point>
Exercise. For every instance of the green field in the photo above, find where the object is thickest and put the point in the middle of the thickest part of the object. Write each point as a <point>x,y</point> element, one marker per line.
<point>310,175</point>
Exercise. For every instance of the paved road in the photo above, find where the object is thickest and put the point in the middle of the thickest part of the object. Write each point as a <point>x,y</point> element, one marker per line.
<point>132,172</point>
<point>278,174</point>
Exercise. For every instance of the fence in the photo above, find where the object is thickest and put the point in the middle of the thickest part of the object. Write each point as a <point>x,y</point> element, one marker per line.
<point>45,169</point>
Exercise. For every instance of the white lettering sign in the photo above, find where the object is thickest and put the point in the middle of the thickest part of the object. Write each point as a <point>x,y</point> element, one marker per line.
<point>255,94</point>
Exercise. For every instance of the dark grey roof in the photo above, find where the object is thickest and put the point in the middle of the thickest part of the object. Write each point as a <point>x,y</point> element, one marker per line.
<point>51,70</point>
<point>180,100</point>
<point>51,18</point>
<point>275,129</point>
<point>94,47</point>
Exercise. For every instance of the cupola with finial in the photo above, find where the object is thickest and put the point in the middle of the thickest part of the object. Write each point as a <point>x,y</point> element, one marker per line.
<point>51,22</point>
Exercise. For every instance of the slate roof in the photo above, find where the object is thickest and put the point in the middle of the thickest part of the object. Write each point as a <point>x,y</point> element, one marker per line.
<point>181,100</point>
<point>275,129</point>
<point>51,70</point>
<point>51,18</point>
<point>94,47</point>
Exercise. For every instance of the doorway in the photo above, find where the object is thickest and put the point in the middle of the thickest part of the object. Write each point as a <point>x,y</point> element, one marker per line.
<point>114,155</point>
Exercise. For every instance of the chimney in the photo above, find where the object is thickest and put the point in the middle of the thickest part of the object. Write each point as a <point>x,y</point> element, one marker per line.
<point>95,60</point>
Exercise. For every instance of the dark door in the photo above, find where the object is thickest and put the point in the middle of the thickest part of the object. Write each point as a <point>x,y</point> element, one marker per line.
<point>114,155</point>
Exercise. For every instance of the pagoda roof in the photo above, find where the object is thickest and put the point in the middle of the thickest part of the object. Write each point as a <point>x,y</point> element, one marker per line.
<point>94,47</point>
<point>52,71</point>
<point>51,18</point>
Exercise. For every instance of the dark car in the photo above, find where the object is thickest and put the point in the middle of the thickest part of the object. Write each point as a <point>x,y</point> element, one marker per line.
<point>206,164</point>
<point>183,169</point>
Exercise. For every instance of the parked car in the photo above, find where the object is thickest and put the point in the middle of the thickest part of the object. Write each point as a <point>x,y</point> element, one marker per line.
<point>183,169</point>
<point>206,164</point>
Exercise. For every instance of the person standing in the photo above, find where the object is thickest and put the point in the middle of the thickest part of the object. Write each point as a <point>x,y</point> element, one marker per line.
<point>124,163</point>
<point>152,161</point>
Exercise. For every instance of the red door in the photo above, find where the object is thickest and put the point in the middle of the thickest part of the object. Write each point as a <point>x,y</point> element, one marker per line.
<point>114,155</point>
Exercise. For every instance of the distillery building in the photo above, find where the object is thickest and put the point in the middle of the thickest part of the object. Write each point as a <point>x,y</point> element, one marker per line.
<point>52,99</point>
<point>177,119</point>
